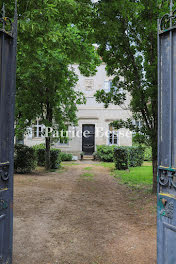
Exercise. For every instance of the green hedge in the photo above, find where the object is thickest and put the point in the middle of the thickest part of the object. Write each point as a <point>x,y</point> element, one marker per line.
<point>148,154</point>
<point>105,153</point>
<point>55,156</point>
<point>136,156</point>
<point>25,159</point>
<point>121,158</point>
<point>66,156</point>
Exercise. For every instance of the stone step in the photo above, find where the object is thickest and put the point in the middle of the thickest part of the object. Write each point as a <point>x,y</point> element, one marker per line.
<point>88,157</point>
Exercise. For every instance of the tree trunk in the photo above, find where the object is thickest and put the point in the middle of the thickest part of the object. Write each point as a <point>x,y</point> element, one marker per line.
<point>49,118</point>
<point>155,164</point>
<point>47,153</point>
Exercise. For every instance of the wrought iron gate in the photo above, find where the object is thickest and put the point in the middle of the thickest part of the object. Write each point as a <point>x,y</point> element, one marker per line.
<point>8,43</point>
<point>166,208</point>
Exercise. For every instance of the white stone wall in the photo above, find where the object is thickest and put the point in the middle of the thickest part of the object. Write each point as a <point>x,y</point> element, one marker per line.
<point>93,113</point>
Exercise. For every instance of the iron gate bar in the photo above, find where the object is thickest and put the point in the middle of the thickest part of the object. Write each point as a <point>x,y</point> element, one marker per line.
<point>8,47</point>
<point>166,189</point>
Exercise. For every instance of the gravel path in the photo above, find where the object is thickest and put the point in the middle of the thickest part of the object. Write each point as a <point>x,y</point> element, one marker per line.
<point>82,215</point>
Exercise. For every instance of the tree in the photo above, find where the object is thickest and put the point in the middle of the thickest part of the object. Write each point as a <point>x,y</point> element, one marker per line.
<point>126,31</point>
<point>53,35</point>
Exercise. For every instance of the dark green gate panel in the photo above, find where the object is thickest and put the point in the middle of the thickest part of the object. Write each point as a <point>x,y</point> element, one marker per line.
<point>7,102</point>
<point>166,202</point>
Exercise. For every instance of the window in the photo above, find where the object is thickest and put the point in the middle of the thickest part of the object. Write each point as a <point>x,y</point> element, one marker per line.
<point>113,136</point>
<point>139,123</point>
<point>38,129</point>
<point>89,84</point>
<point>64,137</point>
<point>107,85</point>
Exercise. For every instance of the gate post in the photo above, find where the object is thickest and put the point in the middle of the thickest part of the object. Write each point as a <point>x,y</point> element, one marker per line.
<point>8,46</point>
<point>166,197</point>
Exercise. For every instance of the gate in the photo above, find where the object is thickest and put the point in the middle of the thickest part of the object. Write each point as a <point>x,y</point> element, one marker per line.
<point>166,204</point>
<point>8,43</point>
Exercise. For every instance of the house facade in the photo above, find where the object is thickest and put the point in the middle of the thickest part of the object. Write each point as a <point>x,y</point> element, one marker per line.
<point>93,120</point>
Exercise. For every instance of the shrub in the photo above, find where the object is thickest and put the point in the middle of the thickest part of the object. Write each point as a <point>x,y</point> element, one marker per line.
<point>66,156</point>
<point>55,157</point>
<point>121,158</point>
<point>39,146</point>
<point>105,153</point>
<point>135,156</point>
<point>41,157</point>
<point>148,154</point>
<point>25,159</point>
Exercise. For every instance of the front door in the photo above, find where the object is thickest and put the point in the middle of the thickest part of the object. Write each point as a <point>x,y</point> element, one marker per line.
<point>166,208</point>
<point>88,139</point>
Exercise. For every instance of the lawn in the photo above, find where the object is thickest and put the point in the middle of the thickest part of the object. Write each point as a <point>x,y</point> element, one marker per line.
<point>136,177</point>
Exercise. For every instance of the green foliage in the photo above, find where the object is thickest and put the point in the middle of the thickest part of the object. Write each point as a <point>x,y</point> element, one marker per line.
<point>53,35</point>
<point>148,154</point>
<point>121,156</point>
<point>25,159</point>
<point>41,156</point>
<point>55,156</point>
<point>126,34</point>
<point>39,146</point>
<point>66,156</point>
<point>55,159</point>
<point>136,156</point>
<point>139,138</point>
<point>105,153</point>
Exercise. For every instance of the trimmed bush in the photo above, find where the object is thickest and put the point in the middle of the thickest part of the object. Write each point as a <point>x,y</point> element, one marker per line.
<point>66,156</point>
<point>25,159</point>
<point>148,154</point>
<point>136,156</point>
<point>121,155</point>
<point>55,157</point>
<point>41,157</point>
<point>105,153</point>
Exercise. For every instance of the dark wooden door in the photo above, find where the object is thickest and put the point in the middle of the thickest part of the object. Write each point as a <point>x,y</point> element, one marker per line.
<point>88,139</point>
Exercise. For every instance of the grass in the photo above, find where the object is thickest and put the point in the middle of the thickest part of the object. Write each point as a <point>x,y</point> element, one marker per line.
<point>110,165</point>
<point>88,168</point>
<point>136,177</point>
<point>87,176</point>
<point>69,163</point>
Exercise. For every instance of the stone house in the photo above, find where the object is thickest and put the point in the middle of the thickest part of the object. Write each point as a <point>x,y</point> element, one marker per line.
<point>93,120</point>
